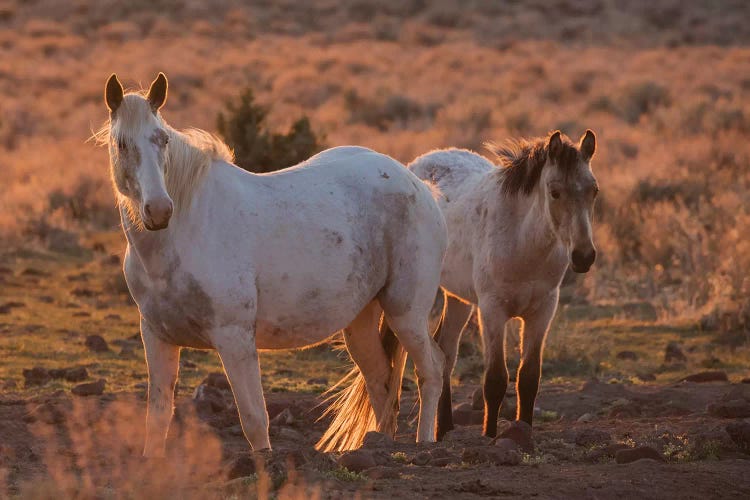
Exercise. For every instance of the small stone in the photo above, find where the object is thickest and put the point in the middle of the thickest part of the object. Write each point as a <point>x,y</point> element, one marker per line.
<point>218,380</point>
<point>477,399</point>
<point>357,460</point>
<point>422,458</point>
<point>609,451</point>
<point>505,457</point>
<point>745,380</point>
<point>375,439</point>
<point>72,374</point>
<point>646,377</point>
<point>439,453</point>
<point>96,343</point>
<point>627,356</point>
<point>633,454</point>
<point>673,352</point>
<point>506,444</point>
<point>317,381</point>
<point>290,434</point>
<point>707,376</point>
<point>241,466</point>
<point>36,376</point>
<point>208,399</point>
<point>285,417</point>
<point>585,418</point>
<point>520,432</point>
<point>89,389</point>
<point>738,408</point>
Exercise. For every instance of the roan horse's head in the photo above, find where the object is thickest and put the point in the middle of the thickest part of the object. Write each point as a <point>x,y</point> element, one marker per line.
<point>570,189</point>
<point>137,150</point>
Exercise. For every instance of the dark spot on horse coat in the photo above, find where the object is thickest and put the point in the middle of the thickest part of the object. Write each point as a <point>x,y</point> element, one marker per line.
<point>334,237</point>
<point>384,175</point>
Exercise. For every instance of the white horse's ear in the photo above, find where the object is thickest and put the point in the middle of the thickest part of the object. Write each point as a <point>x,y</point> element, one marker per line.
<point>157,93</point>
<point>113,93</point>
<point>588,145</point>
<point>555,145</point>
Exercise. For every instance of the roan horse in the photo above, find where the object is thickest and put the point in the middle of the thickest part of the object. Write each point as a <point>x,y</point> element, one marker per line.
<point>512,232</point>
<point>219,258</point>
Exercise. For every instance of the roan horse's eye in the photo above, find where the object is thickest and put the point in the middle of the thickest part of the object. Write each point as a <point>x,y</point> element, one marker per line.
<point>555,194</point>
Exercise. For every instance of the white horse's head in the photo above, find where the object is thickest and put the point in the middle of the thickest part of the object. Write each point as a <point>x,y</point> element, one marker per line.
<point>137,150</point>
<point>570,188</point>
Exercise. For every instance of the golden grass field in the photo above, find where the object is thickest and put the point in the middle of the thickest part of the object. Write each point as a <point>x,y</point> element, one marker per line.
<point>664,84</point>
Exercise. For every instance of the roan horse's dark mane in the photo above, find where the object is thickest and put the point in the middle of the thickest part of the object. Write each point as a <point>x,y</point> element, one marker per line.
<point>522,161</point>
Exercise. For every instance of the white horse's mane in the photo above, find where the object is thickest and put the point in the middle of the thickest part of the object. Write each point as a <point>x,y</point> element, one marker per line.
<point>188,156</point>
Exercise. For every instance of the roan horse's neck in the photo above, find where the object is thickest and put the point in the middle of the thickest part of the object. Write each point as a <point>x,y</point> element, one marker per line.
<point>534,236</point>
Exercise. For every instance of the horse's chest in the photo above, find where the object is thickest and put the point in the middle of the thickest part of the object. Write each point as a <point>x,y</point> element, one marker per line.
<point>176,309</point>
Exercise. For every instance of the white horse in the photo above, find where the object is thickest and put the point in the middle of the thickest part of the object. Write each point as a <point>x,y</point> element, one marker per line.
<point>219,258</point>
<point>512,232</point>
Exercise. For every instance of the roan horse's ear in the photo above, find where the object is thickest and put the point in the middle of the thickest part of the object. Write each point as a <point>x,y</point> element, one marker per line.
<point>555,145</point>
<point>113,93</point>
<point>157,93</point>
<point>588,145</point>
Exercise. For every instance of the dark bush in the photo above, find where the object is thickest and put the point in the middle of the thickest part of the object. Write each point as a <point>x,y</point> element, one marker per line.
<point>256,148</point>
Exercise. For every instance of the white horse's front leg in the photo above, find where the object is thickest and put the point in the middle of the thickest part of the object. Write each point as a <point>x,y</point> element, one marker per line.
<point>162,360</point>
<point>239,356</point>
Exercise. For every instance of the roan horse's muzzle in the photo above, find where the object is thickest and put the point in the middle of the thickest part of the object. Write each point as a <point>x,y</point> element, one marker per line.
<point>582,259</point>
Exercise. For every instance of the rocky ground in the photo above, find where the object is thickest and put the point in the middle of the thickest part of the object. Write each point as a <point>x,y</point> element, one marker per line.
<point>596,440</point>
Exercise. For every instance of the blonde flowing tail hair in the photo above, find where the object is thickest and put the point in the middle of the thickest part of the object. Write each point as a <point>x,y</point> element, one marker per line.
<point>353,416</point>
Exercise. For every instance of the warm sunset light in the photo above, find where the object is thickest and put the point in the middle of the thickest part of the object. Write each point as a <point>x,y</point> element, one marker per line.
<point>374,249</point>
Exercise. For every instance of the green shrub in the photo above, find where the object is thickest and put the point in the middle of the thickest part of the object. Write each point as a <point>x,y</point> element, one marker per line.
<point>256,148</point>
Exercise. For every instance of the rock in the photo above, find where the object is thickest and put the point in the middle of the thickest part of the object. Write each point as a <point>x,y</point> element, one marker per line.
<point>506,444</point>
<point>464,414</point>
<point>208,399</point>
<point>127,352</point>
<point>440,453</point>
<point>444,461</point>
<point>600,453</point>
<point>36,376</point>
<point>520,432</point>
<point>285,417</point>
<point>96,343</point>
<point>633,454</point>
<point>586,418</point>
<point>90,388</point>
<point>375,439</point>
<point>317,381</point>
<point>290,434</point>
<point>477,399</point>
<point>422,458</point>
<point>382,472</point>
<point>627,356</point>
<point>627,409</point>
<point>357,460</point>
<point>589,437</point>
<point>217,380</point>
<point>745,380</point>
<point>738,408</point>
<point>740,434</point>
<point>673,352</point>
<point>707,376</point>
<point>72,374</point>
<point>241,466</point>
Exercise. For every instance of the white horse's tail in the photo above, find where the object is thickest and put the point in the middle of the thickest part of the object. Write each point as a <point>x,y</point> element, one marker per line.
<point>353,416</point>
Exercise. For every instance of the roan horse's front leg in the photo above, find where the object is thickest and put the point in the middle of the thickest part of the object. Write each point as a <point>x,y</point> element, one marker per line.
<point>162,360</point>
<point>492,321</point>
<point>535,326</point>
<point>236,346</point>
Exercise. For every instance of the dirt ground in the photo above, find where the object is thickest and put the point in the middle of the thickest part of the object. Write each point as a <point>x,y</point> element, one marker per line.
<point>570,460</point>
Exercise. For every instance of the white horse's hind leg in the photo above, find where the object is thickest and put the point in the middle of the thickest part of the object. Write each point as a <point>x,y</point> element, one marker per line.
<point>239,356</point>
<point>457,314</point>
<point>411,329</point>
<point>366,349</point>
<point>162,360</point>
